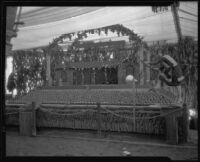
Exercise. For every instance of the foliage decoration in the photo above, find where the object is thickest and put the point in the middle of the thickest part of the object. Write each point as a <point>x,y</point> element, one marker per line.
<point>29,70</point>
<point>11,85</point>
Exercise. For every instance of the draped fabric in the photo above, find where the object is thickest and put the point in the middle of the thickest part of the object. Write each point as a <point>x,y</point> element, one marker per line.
<point>43,24</point>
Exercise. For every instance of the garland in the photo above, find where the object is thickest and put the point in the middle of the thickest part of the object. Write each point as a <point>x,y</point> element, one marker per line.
<point>120,29</point>
<point>29,71</point>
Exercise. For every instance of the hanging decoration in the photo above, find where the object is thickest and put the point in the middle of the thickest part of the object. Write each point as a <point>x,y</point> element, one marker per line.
<point>157,9</point>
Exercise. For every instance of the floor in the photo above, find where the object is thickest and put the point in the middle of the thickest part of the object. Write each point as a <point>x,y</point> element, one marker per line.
<point>59,142</point>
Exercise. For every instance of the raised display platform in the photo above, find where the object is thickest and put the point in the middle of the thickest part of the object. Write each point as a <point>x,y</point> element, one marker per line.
<point>96,86</point>
<point>123,96</point>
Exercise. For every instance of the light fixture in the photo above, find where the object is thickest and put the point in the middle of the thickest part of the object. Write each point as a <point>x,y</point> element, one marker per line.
<point>192,112</point>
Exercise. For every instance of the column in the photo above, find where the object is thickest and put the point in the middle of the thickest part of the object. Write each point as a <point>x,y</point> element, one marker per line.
<point>93,76</point>
<point>60,79</point>
<point>148,74</point>
<point>105,73</point>
<point>121,74</point>
<point>10,28</point>
<point>82,76</point>
<point>58,75</point>
<point>70,77</point>
<point>48,70</point>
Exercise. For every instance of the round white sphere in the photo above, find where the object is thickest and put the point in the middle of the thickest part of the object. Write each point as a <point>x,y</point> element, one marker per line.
<point>129,78</point>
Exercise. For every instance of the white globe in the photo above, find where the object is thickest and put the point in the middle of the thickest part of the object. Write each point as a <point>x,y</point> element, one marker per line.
<point>129,78</point>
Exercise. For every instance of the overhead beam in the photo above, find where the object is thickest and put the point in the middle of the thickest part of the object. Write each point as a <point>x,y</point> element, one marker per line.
<point>10,33</point>
<point>176,21</point>
<point>188,13</point>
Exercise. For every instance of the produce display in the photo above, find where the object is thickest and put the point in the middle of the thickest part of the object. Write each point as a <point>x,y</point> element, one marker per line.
<point>116,97</point>
<point>118,119</point>
<point>121,121</point>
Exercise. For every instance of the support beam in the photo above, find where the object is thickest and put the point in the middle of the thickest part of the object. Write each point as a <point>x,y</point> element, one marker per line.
<point>18,19</point>
<point>11,13</point>
<point>176,21</point>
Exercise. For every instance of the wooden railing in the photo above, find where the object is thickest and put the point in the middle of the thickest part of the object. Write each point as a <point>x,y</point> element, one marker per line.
<point>29,119</point>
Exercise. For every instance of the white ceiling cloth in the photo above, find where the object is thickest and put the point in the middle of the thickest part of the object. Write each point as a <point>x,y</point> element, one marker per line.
<point>42,24</point>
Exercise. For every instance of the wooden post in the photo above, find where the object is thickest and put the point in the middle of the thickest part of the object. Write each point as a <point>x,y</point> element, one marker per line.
<point>171,127</point>
<point>134,111</point>
<point>25,121</point>
<point>99,118</point>
<point>33,118</point>
<point>176,21</point>
<point>185,123</point>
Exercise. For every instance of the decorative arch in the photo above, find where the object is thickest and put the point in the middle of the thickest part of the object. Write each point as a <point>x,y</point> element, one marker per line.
<point>120,29</point>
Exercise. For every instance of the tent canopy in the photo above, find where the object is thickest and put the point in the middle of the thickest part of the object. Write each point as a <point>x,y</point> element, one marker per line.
<point>43,24</point>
